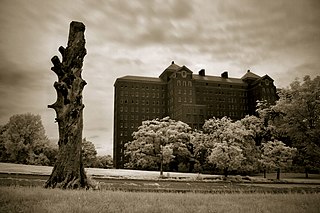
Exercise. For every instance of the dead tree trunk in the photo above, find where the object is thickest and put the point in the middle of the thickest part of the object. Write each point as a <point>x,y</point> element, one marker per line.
<point>68,171</point>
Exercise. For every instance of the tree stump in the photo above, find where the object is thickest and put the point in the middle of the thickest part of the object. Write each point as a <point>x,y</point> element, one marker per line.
<point>68,171</point>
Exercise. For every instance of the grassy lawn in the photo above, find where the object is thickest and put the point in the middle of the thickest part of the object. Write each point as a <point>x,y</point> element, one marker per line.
<point>37,199</point>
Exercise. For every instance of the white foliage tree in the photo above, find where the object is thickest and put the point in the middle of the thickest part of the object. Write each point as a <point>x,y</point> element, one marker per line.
<point>276,155</point>
<point>154,143</point>
<point>228,140</point>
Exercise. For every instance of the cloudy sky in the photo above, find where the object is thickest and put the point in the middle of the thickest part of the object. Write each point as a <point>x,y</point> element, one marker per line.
<point>279,38</point>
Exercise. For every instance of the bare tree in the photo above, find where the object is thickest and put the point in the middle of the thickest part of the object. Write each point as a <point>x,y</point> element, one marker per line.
<point>68,171</point>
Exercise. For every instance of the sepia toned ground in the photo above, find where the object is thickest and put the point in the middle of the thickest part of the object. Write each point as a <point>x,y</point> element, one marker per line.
<point>21,190</point>
<point>149,181</point>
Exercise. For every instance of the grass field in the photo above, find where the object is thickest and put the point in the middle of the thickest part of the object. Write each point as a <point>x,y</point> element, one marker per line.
<point>37,199</point>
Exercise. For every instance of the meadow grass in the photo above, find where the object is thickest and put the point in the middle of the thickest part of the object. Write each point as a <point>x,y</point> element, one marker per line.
<point>37,199</point>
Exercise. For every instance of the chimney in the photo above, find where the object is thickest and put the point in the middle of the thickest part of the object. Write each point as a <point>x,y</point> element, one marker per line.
<point>202,72</point>
<point>224,74</point>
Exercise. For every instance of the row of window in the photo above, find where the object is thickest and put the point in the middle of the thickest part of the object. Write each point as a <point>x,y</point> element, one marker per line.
<point>224,93</point>
<point>184,99</point>
<point>221,99</point>
<point>143,102</point>
<point>184,92</point>
<point>220,85</point>
<point>184,83</point>
<point>162,110</point>
<point>129,125</point>
<point>141,94</point>
<point>139,118</point>
<point>143,109</point>
<point>268,90</point>
<point>230,114</point>
<point>143,87</point>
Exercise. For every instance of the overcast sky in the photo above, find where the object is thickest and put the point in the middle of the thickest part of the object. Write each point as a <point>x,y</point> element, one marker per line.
<point>278,38</point>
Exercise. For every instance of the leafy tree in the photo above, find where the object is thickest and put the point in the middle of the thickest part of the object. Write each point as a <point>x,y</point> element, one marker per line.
<point>257,133</point>
<point>89,153</point>
<point>157,143</point>
<point>201,148</point>
<point>299,120</point>
<point>276,155</point>
<point>3,151</point>
<point>226,156</point>
<point>228,141</point>
<point>256,128</point>
<point>104,161</point>
<point>23,140</point>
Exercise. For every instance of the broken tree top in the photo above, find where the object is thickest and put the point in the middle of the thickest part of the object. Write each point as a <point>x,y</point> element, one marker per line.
<point>72,56</point>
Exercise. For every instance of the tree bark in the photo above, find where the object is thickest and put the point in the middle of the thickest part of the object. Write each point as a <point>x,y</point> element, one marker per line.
<point>226,172</point>
<point>68,171</point>
<point>278,173</point>
<point>161,162</point>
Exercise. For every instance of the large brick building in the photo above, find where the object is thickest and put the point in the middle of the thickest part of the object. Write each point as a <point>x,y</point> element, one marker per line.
<point>182,95</point>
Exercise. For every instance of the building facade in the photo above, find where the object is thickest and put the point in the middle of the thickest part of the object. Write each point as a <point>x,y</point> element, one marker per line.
<point>183,95</point>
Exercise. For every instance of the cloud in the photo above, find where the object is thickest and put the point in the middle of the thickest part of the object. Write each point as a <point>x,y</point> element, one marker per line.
<point>278,38</point>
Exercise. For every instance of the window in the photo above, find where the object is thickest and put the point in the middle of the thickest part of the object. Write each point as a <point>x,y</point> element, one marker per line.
<point>184,83</point>
<point>184,74</point>
<point>266,81</point>
<point>178,83</point>
<point>189,83</point>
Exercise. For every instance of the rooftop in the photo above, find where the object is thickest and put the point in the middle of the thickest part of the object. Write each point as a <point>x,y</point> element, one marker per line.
<point>218,79</point>
<point>140,78</point>
<point>250,75</point>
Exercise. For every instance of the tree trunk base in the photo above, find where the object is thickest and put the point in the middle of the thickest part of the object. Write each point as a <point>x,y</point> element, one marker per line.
<point>69,182</point>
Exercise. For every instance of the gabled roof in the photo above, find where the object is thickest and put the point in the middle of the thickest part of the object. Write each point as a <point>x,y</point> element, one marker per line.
<point>173,67</point>
<point>169,70</point>
<point>250,75</point>
<point>266,76</point>
<point>185,69</point>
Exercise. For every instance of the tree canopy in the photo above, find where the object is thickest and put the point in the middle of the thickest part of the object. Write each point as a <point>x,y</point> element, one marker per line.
<point>159,142</point>
<point>23,140</point>
<point>297,120</point>
<point>89,153</point>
